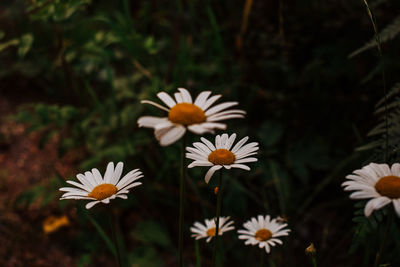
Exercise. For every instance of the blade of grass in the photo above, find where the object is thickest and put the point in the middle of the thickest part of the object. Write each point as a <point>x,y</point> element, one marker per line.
<point>103,235</point>
<point>197,250</point>
<point>379,46</point>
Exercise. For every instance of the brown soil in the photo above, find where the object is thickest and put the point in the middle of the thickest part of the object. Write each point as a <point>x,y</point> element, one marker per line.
<point>23,164</point>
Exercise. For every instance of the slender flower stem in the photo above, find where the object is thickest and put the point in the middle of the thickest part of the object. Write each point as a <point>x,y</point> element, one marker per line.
<point>262,257</point>
<point>385,237</point>
<point>219,209</point>
<point>113,219</point>
<point>182,189</point>
<point>314,262</point>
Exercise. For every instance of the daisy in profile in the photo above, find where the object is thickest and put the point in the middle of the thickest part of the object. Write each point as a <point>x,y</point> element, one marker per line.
<point>209,229</point>
<point>94,187</point>
<point>222,154</point>
<point>377,182</point>
<point>263,232</point>
<point>198,116</point>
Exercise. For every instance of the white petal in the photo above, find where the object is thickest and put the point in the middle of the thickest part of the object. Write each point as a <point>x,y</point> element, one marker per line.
<point>97,176</point>
<point>364,194</point>
<point>84,187</point>
<point>84,181</point>
<point>201,98</point>
<point>150,121</point>
<point>396,204</point>
<point>154,104</point>
<point>117,173</point>
<point>164,125</point>
<point>106,201</point>
<point>167,99</point>
<point>226,117</point>
<point>172,135</point>
<point>396,169</point>
<point>198,152</point>
<point>199,129</point>
<point>129,186</point>
<point>199,163</point>
<point>229,112</point>
<point>218,143</point>
<point>202,147</point>
<point>230,141</point>
<point>241,166</point>
<point>185,95</point>
<point>208,143</point>
<point>129,177</point>
<point>91,204</point>
<point>178,97</point>
<point>246,160</point>
<point>109,172</point>
<point>239,144</point>
<point>89,176</point>
<point>211,126</point>
<point>210,101</point>
<point>220,107</point>
<point>375,204</point>
<point>211,172</point>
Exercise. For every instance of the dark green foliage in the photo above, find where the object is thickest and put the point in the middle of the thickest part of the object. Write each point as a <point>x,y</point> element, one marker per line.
<point>81,67</point>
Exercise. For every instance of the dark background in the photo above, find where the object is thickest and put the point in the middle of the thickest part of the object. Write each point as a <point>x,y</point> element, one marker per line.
<point>73,73</point>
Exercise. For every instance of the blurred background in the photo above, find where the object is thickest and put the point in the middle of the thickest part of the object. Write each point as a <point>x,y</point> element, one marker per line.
<point>307,72</point>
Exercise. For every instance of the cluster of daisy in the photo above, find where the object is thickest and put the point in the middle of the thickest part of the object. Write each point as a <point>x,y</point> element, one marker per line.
<point>199,116</point>
<point>260,231</point>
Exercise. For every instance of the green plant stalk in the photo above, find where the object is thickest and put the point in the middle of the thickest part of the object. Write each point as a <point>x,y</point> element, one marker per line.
<point>385,237</point>
<point>182,189</point>
<point>279,187</point>
<point>314,261</point>
<point>198,256</point>
<point>103,235</point>
<point>262,258</point>
<point>219,209</point>
<point>379,45</point>
<point>113,219</point>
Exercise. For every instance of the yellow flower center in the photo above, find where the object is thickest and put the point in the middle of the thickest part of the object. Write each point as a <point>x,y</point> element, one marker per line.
<point>263,235</point>
<point>389,186</point>
<point>211,231</point>
<point>186,114</point>
<point>103,191</point>
<point>221,157</point>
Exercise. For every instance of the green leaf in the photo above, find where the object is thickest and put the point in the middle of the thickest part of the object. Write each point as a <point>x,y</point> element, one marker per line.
<point>146,257</point>
<point>25,44</point>
<point>84,260</point>
<point>12,42</point>
<point>151,232</point>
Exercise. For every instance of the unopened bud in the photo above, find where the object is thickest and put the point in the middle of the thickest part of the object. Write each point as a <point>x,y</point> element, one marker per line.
<point>310,250</point>
<point>216,190</point>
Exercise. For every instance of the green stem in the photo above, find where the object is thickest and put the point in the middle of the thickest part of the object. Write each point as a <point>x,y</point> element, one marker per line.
<point>385,237</point>
<point>314,261</point>
<point>102,234</point>
<point>262,257</point>
<point>182,189</point>
<point>113,219</point>
<point>219,208</point>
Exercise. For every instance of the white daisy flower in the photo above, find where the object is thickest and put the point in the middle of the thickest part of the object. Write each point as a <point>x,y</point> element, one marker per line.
<point>93,187</point>
<point>376,181</point>
<point>263,232</point>
<point>221,155</point>
<point>209,229</point>
<point>198,116</point>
